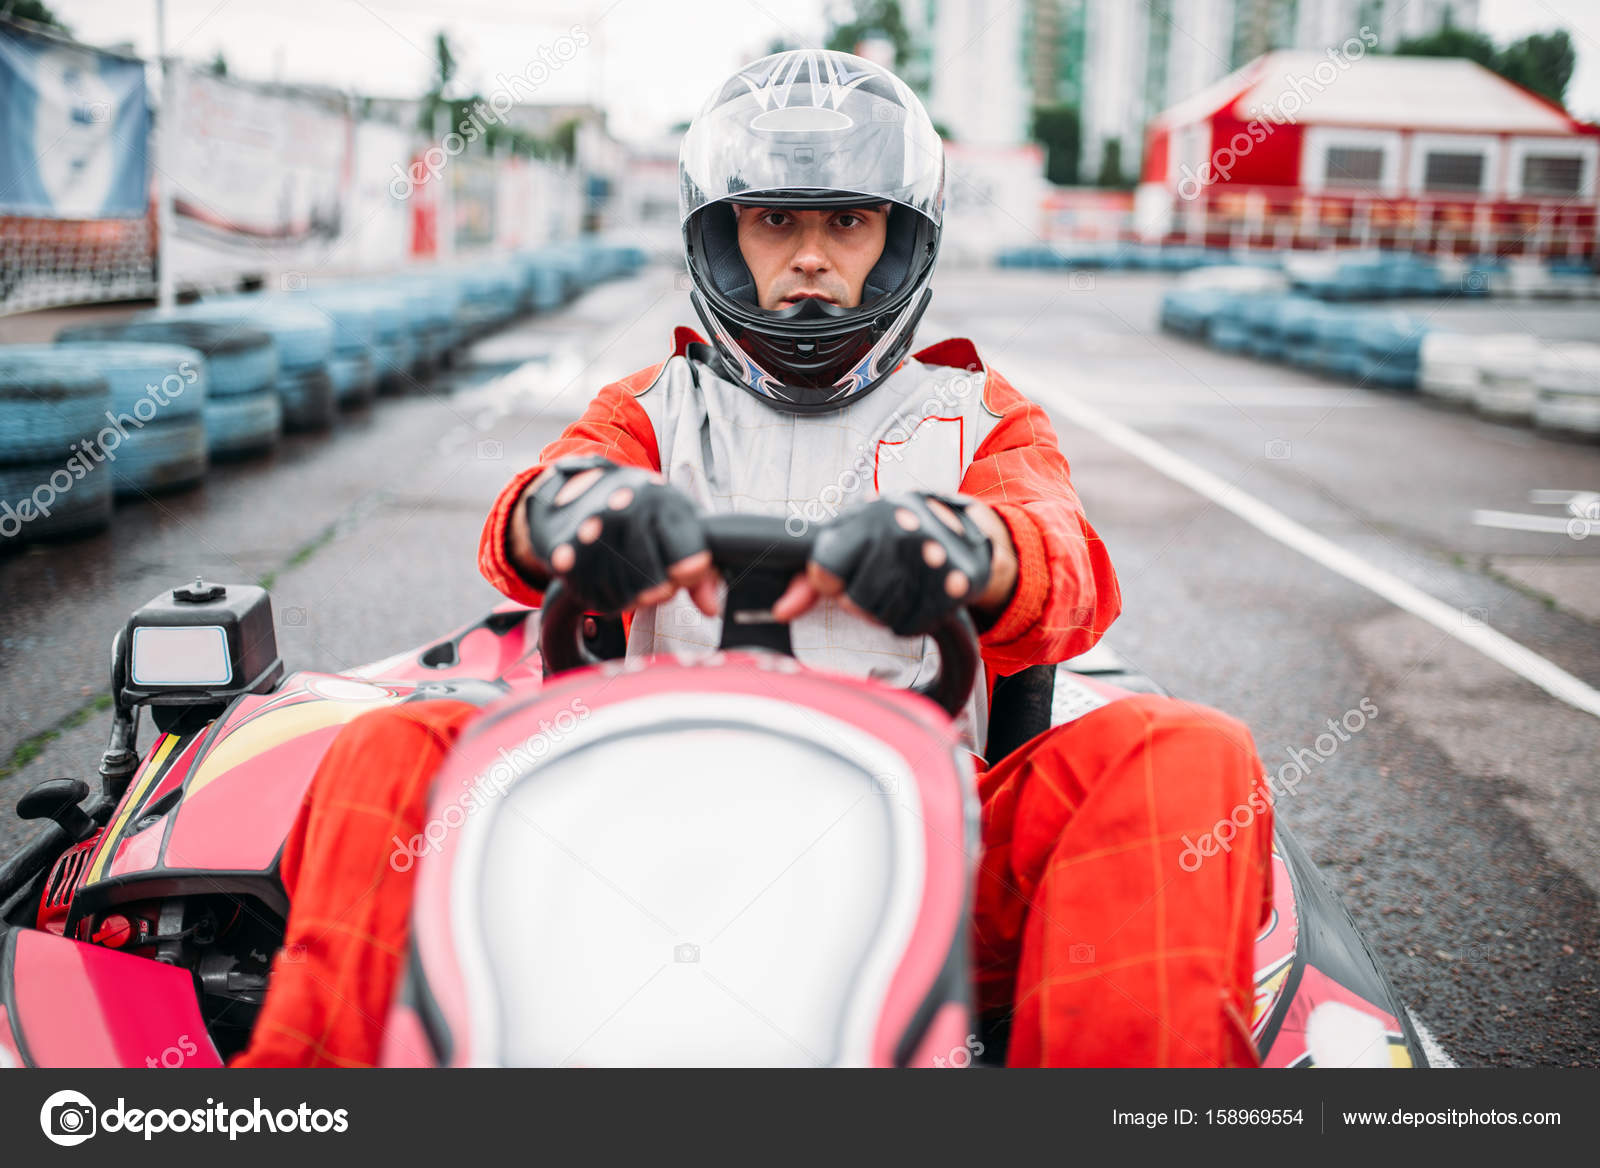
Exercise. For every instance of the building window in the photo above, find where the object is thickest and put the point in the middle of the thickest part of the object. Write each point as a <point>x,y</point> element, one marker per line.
<point>1551,174</point>
<point>1353,166</point>
<point>1453,172</point>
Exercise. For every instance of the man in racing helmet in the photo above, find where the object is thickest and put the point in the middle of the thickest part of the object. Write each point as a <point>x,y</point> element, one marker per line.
<point>812,188</point>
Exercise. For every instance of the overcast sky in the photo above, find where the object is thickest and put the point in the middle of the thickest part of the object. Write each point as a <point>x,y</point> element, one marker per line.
<point>651,62</point>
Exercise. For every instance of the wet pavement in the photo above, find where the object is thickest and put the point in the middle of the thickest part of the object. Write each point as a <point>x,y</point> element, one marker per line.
<point>1461,824</point>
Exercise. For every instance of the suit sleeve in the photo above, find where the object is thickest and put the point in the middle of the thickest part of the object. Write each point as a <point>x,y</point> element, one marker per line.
<point>1067,593</point>
<point>615,426</point>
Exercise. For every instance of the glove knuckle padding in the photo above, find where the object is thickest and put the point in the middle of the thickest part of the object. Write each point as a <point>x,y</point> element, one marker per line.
<point>883,566</point>
<point>658,526</point>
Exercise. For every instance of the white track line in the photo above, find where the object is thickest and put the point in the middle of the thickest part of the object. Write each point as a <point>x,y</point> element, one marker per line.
<point>1498,647</point>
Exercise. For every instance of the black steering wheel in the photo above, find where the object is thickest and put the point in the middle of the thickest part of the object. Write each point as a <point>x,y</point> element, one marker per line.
<point>758,555</point>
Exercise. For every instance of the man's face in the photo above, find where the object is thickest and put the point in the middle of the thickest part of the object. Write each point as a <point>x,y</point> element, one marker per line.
<point>798,254</point>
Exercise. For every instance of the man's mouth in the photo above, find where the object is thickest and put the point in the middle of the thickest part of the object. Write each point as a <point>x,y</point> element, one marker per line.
<point>795,297</point>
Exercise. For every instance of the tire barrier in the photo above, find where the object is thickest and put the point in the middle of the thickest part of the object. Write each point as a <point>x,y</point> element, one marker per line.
<point>169,381</point>
<point>1391,347</point>
<point>1510,377</point>
<point>264,364</point>
<point>239,359</point>
<point>1505,376</point>
<point>45,500</point>
<point>1228,330</point>
<point>354,378</point>
<point>1448,368</point>
<point>1112,257</point>
<point>304,339</point>
<point>351,364</point>
<point>164,456</point>
<point>1378,346</point>
<point>1335,276</point>
<point>1567,383</point>
<point>309,404</point>
<point>430,312</point>
<point>244,424</point>
<point>51,401</point>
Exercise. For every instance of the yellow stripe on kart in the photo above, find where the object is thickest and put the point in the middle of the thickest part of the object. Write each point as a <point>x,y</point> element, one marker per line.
<point>135,797</point>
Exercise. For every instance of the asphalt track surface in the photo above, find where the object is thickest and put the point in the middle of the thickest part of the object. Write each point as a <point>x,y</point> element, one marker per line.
<point>1461,824</point>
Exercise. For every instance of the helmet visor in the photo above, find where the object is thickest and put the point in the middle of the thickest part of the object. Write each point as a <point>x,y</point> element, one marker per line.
<point>801,122</point>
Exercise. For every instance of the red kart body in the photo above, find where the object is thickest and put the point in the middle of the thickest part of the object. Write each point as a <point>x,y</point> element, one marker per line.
<point>154,935</point>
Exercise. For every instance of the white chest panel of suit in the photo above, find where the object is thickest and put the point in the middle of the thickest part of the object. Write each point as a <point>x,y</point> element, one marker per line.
<point>729,452</point>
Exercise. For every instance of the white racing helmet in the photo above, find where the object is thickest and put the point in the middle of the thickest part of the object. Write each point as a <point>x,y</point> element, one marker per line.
<point>811,129</point>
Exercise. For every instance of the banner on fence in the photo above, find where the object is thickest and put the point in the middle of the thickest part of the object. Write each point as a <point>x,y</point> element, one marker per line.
<point>260,179</point>
<point>74,128</point>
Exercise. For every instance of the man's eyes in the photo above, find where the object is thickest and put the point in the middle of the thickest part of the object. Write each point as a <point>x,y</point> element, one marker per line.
<point>848,220</point>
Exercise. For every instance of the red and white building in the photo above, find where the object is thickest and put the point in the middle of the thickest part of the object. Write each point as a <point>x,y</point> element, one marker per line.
<point>1317,150</point>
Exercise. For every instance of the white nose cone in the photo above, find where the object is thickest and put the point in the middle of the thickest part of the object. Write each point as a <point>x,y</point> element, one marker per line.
<point>1338,1035</point>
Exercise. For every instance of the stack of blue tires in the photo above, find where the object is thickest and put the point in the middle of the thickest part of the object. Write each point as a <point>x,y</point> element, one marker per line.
<point>431,306</point>
<point>1391,349</point>
<point>304,340</point>
<point>353,362</point>
<point>243,416</point>
<point>54,482</point>
<point>154,433</point>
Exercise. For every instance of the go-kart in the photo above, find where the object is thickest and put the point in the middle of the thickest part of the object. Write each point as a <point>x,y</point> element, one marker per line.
<point>736,860</point>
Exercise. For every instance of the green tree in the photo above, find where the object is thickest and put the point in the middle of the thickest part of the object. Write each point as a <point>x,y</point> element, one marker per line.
<point>444,72</point>
<point>219,65</point>
<point>32,10</point>
<point>870,18</point>
<point>1450,41</point>
<point>1111,165</point>
<point>1056,128</point>
<point>1542,63</point>
<point>471,110</point>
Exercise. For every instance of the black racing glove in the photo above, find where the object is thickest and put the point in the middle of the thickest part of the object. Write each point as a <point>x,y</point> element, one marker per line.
<point>638,542</point>
<point>883,567</point>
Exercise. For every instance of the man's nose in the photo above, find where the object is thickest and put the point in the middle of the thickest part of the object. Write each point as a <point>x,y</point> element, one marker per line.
<point>811,254</point>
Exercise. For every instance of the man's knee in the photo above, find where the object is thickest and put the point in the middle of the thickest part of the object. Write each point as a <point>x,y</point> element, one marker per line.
<point>1189,754</point>
<point>1156,721</point>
